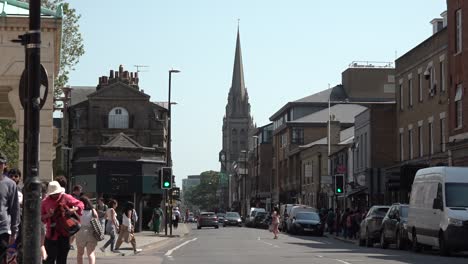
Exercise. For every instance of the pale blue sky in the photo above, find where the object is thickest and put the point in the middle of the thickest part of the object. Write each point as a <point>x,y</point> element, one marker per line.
<point>291,49</point>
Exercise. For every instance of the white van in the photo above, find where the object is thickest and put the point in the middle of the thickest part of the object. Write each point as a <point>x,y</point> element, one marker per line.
<point>438,209</point>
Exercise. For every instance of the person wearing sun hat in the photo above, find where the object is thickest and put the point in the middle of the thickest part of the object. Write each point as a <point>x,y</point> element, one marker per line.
<point>57,240</point>
<point>10,213</point>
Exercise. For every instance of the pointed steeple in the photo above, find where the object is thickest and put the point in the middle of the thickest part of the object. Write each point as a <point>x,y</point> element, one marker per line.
<point>238,85</point>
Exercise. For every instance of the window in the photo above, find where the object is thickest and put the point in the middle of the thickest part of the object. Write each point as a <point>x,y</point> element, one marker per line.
<point>431,82</point>
<point>420,85</point>
<point>118,118</point>
<point>410,92</point>
<point>431,138</point>
<point>420,141</point>
<point>401,146</point>
<point>410,143</point>
<point>459,106</point>
<point>458,34</point>
<point>442,134</point>
<point>297,136</point>
<point>442,76</point>
<point>284,140</point>
<point>401,97</point>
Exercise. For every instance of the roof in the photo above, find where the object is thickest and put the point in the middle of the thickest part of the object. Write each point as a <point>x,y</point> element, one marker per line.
<point>335,94</point>
<point>80,94</point>
<point>345,136</point>
<point>345,113</point>
<point>18,8</point>
<point>123,141</point>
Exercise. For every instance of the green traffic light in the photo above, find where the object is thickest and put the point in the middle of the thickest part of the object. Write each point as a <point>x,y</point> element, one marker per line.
<point>166,184</point>
<point>338,190</point>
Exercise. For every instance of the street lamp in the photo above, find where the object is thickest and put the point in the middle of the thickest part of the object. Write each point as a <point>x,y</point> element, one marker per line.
<point>168,152</point>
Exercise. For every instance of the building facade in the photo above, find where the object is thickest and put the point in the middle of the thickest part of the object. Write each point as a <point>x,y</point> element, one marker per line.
<point>457,27</point>
<point>422,107</point>
<point>14,21</point>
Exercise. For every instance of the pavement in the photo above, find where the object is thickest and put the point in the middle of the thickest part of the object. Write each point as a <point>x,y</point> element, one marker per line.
<point>145,240</point>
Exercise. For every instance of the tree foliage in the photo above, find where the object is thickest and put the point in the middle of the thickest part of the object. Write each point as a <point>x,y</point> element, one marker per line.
<point>204,194</point>
<point>9,142</point>
<point>72,43</point>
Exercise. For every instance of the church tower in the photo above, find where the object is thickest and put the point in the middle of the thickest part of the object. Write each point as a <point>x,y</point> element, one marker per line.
<point>237,123</point>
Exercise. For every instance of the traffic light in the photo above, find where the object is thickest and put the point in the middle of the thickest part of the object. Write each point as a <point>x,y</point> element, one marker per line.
<point>166,178</point>
<point>339,184</point>
<point>176,193</point>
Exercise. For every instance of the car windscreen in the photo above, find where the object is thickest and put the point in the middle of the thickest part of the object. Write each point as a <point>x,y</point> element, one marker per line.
<point>380,211</point>
<point>456,194</point>
<point>232,215</point>
<point>207,215</point>
<point>404,211</point>
<point>307,216</point>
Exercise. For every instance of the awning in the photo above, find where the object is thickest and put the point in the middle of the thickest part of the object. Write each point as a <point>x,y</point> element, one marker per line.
<point>356,191</point>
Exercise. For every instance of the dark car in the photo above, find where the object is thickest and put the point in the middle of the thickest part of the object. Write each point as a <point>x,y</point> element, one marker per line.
<point>306,222</point>
<point>232,219</point>
<point>259,220</point>
<point>394,228</point>
<point>369,232</point>
<point>207,219</point>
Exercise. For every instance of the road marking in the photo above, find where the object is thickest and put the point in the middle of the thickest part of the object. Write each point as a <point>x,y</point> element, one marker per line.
<point>342,261</point>
<point>267,243</point>
<point>169,253</point>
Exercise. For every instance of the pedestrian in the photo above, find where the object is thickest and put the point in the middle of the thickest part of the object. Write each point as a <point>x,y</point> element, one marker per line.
<point>15,175</point>
<point>175,217</point>
<point>43,226</point>
<point>9,213</point>
<point>337,223</point>
<point>127,229</point>
<point>112,226</point>
<point>102,209</point>
<point>85,237</point>
<point>344,225</point>
<point>57,238</point>
<point>156,219</point>
<point>330,220</point>
<point>275,220</point>
<point>62,181</point>
<point>76,193</point>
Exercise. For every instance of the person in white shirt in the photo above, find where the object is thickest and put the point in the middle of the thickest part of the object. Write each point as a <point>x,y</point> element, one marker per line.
<point>127,228</point>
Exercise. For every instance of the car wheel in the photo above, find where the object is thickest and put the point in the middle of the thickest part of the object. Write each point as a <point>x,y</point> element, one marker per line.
<point>224,225</point>
<point>415,245</point>
<point>198,227</point>
<point>399,242</point>
<point>383,243</point>
<point>216,227</point>
<point>362,242</point>
<point>369,241</point>
<point>444,249</point>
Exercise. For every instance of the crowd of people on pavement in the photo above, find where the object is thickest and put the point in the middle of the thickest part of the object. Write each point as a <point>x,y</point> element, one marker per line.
<point>344,223</point>
<point>68,220</point>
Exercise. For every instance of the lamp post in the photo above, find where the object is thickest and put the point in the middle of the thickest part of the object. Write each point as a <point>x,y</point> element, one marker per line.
<point>168,153</point>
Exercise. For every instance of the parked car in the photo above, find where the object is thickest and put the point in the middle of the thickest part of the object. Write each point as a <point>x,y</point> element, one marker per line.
<point>306,222</point>
<point>259,221</point>
<point>438,209</point>
<point>207,219</point>
<point>251,217</point>
<point>394,227</point>
<point>369,232</point>
<point>232,218</point>
<point>221,217</point>
<point>285,210</point>
<point>293,212</point>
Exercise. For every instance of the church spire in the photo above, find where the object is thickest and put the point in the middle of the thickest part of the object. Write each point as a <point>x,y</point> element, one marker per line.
<point>238,85</point>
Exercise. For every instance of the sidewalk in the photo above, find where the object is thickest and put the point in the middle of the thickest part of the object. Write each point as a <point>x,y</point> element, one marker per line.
<point>341,238</point>
<point>144,240</point>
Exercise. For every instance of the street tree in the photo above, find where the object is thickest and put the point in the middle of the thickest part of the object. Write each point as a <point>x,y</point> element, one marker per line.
<point>9,142</point>
<point>204,194</point>
<point>72,43</point>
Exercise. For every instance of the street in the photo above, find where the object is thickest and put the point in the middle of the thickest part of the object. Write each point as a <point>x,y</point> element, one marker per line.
<point>248,245</point>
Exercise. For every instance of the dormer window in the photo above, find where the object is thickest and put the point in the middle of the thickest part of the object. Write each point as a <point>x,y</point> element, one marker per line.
<point>118,118</point>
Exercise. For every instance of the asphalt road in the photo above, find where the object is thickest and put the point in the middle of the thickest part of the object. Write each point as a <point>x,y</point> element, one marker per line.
<point>246,245</point>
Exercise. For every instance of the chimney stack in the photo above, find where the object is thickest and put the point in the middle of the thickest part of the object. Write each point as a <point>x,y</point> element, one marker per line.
<point>120,70</point>
<point>335,129</point>
<point>437,25</point>
<point>111,75</point>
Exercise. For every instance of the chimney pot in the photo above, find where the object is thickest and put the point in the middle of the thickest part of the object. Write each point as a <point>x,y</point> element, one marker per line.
<point>120,70</point>
<point>100,80</point>
<point>111,75</point>
<point>125,75</point>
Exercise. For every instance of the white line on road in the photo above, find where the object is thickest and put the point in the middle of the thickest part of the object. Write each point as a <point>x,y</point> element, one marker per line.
<point>169,253</point>
<point>342,261</point>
